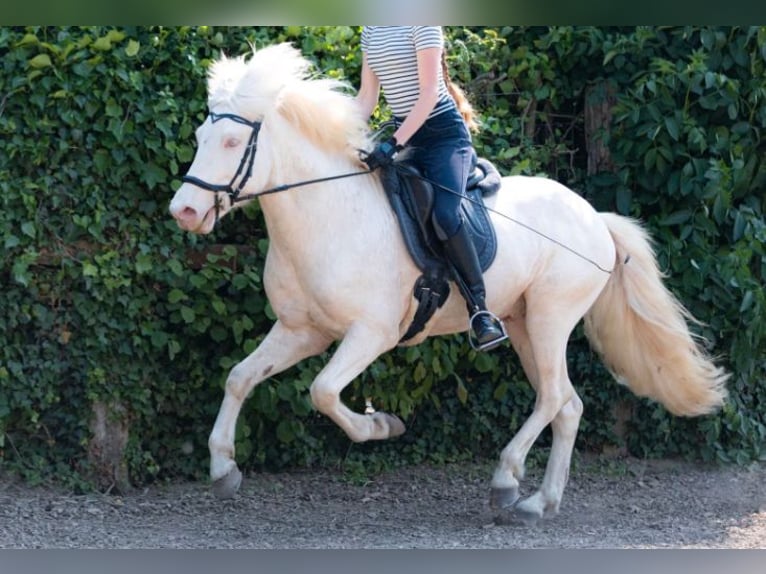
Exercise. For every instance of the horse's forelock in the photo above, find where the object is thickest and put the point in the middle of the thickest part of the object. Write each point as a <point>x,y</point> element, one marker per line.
<point>223,77</point>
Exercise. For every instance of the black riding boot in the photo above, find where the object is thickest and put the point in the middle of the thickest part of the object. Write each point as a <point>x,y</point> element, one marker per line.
<point>461,252</point>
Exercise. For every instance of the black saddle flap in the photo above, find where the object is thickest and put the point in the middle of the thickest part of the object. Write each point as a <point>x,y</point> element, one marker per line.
<point>412,199</point>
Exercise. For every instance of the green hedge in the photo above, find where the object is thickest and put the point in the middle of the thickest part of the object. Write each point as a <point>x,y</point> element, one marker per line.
<point>106,301</point>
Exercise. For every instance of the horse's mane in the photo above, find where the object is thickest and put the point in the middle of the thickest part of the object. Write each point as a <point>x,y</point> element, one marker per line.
<point>277,79</point>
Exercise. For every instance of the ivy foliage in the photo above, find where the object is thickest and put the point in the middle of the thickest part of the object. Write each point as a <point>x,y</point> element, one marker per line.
<point>105,300</point>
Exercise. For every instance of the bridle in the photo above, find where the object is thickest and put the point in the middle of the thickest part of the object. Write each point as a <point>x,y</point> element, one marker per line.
<point>244,171</point>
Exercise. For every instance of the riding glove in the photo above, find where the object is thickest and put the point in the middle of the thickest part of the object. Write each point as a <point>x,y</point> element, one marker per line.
<point>383,154</point>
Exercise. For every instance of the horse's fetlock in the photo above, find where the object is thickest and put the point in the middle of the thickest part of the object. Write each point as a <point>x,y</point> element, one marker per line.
<point>220,447</point>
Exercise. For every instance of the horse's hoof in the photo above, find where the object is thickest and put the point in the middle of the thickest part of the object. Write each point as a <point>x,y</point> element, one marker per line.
<point>524,513</point>
<point>516,517</point>
<point>526,516</point>
<point>504,518</point>
<point>386,425</point>
<point>228,485</point>
<point>395,426</point>
<point>503,498</point>
<point>516,514</point>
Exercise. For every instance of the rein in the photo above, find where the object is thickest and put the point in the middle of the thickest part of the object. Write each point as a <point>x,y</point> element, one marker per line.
<point>245,170</point>
<point>287,186</point>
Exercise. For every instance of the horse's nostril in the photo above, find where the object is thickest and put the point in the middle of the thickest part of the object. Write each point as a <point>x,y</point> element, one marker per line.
<point>185,214</point>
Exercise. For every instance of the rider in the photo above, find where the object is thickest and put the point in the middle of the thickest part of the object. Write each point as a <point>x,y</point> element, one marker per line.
<point>433,118</point>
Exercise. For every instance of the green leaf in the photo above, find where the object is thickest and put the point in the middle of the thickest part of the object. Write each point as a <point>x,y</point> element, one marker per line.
<point>40,61</point>
<point>174,347</point>
<point>680,216</point>
<point>89,269</point>
<point>11,241</point>
<point>188,314</point>
<point>101,161</point>
<point>720,208</point>
<point>739,227</point>
<point>131,50</point>
<point>219,306</point>
<point>27,40</point>
<point>28,228</point>
<point>650,159</point>
<point>175,267</point>
<point>153,174</point>
<point>285,432</point>
<point>672,126</point>
<point>500,391</point>
<point>144,263</point>
<point>103,44</point>
<point>113,109</point>
<point>462,392</point>
<point>623,200</point>
<point>747,301</point>
<point>484,363</point>
<point>176,295</point>
<point>115,36</point>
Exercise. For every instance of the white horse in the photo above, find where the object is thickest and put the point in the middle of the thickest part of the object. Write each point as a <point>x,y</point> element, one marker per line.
<point>338,269</point>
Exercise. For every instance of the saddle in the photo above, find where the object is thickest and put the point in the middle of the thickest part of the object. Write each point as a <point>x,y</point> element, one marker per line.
<point>412,200</point>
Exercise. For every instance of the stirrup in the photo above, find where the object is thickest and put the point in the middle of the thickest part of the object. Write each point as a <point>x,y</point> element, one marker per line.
<point>473,340</point>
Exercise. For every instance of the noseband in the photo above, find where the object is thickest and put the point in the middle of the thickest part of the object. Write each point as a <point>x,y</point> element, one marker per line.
<point>244,171</point>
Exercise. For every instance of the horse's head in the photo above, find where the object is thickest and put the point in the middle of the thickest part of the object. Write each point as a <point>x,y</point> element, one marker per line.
<point>240,94</point>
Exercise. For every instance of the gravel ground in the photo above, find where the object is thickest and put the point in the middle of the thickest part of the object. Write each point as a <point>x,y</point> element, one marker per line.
<point>608,504</point>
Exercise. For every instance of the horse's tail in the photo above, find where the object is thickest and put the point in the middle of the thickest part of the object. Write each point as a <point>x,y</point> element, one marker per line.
<point>640,330</point>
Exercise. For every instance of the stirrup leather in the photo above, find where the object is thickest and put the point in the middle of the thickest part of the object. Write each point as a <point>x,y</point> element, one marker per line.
<point>473,340</point>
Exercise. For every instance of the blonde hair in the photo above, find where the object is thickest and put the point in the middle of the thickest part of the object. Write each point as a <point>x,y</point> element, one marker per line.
<point>461,100</point>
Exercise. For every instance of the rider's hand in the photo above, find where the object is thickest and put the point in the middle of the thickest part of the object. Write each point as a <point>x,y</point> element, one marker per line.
<point>383,154</point>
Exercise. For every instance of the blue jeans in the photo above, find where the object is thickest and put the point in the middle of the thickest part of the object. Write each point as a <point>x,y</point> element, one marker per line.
<point>442,150</point>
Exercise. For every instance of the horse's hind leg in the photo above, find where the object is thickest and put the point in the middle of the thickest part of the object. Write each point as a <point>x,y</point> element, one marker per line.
<point>361,345</point>
<point>556,403</point>
<point>282,348</point>
<point>548,498</point>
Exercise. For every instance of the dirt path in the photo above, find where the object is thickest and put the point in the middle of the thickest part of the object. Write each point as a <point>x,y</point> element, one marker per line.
<point>617,504</point>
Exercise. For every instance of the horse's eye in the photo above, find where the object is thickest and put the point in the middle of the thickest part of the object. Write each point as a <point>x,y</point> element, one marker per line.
<point>231,142</point>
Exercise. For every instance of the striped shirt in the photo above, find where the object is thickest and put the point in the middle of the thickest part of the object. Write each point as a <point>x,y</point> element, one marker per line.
<point>392,55</point>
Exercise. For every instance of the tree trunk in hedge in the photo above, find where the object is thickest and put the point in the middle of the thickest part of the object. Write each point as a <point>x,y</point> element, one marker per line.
<point>109,428</point>
<point>599,101</point>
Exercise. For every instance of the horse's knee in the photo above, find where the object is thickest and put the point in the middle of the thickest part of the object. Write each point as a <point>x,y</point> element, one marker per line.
<point>238,381</point>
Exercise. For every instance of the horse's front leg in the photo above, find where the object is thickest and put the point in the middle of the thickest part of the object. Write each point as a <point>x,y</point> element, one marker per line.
<point>282,348</point>
<point>360,347</point>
